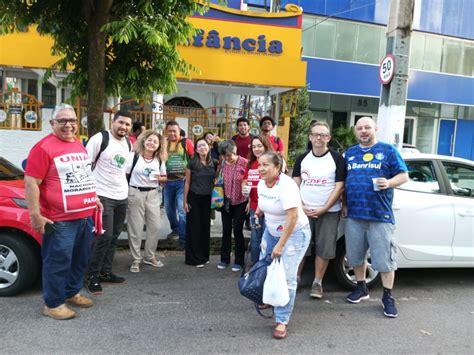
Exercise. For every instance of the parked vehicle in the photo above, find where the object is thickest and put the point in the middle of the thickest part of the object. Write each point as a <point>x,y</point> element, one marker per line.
<point>20,253</point>
<point>434,213</point>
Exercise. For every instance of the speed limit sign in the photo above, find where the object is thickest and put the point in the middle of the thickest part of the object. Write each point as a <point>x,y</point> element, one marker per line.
<point>387,69</point>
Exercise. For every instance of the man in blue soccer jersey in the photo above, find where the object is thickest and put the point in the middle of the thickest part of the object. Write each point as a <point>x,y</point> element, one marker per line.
<point>374,169</point>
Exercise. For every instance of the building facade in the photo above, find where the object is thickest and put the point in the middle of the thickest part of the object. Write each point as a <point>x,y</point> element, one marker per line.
<point>343,43</point>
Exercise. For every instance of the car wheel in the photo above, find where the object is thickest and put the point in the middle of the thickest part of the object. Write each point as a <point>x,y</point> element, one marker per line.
<point>345,274</point>
<point>19,264</point>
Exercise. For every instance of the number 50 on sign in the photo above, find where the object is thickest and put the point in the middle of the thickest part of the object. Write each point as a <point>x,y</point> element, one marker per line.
<point>387,69</point>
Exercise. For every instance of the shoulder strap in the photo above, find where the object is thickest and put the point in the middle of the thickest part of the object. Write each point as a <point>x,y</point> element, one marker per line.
<point>183,144</point>
<point>103,146</point>
<point>128,143</point>
<point>134,162</point>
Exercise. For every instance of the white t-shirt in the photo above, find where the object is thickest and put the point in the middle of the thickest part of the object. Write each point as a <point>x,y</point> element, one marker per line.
<point>319,175</point>
<point>276,200</point>
<point>109,171</point>
<point>144,172</point>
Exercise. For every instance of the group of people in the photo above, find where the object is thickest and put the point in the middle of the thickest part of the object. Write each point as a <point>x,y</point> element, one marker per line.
<point>66,184</point>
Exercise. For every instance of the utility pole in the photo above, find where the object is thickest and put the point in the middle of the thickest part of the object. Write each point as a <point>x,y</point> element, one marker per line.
<point>392,107</point>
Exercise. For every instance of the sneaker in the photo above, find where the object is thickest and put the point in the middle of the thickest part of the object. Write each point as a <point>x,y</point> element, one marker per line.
<point>389,308</point>
<point>222,266</point>
<point>181,247</point>
<point>360,293</point>
<point>111,278</point>
<point>135,267</point>
<point>153,262</point>
<point>316,291</point>
<point>200,266</point>
<point>236,267</point>
<point>61,312</point>
<point>172,236</point>
<point>93,285</point>
<point>80,301</point>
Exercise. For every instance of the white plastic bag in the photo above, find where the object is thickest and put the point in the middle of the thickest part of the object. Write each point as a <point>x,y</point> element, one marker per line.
<point>275,288</point>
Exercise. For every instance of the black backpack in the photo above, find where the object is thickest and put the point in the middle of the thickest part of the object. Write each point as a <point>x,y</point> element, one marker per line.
<point>104,144</point>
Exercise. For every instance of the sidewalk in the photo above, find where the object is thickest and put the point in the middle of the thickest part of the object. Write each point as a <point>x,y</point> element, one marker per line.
<point>164,230</point>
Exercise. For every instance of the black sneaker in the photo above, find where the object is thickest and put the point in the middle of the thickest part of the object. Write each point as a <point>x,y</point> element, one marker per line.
<point>389,309</point>
<point>360,293</point>
<point>172,236</point>
<point>111,278</point>
<point>93,285</point>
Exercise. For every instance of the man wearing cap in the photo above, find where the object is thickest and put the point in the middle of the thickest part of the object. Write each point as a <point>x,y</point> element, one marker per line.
<point>266,127</point>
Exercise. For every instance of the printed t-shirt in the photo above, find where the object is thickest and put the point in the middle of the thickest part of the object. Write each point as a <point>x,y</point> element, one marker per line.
<point>319,175</point>
<point>363,164</point>
<point>243,145</point>
<point>178,159</point>
<point>68,189</point>
<point>109,171</point>
<point>276,200</point>
<point>253,177</point>
<point>143,174</point>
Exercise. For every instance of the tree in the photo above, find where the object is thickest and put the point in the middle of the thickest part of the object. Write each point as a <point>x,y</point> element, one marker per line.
<point>299,126</point>
<point>112,45</point>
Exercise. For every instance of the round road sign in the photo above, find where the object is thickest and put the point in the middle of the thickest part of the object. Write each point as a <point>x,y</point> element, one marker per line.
<point>387,69</point>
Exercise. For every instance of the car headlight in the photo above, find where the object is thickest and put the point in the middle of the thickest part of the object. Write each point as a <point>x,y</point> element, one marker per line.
<point>20,202</point>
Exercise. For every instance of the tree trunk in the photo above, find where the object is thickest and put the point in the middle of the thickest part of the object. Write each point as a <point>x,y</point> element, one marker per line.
<point>96,13</point>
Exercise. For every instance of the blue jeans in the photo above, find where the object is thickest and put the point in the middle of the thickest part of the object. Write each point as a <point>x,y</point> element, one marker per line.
<point>256,237</point>
<point>65,251</point>
<point>293,253</point>
<point>173,194</point>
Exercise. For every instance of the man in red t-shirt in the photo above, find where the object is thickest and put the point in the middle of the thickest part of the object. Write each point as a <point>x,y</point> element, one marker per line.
<point>61,197</point>
<point>242,138</point>
<point>266,127</point>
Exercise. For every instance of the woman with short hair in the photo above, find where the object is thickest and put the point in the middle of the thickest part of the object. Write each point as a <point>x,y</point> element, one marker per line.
<point>287,234</point>
<point>233,212</point>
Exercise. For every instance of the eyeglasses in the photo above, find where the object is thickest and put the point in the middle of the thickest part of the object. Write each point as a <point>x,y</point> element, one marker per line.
<point>319,135</point>
<point>65,121</point>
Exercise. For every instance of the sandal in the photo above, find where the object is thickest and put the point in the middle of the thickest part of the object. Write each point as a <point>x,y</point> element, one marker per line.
<point>280,334</point>
<point>264,306</point>
<point>135,267</point>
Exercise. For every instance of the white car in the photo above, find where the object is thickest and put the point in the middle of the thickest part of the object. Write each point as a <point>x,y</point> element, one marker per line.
<point>434,216</point>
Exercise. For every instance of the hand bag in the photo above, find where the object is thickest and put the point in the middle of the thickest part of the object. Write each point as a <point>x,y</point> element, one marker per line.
<point>275,288</point>
<point>251,282</point>
<point>217,195</point>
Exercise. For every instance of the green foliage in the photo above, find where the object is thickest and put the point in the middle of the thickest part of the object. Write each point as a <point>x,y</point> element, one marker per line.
<point>299,126</point>
<point>342,138</point>
<point>120,45</point>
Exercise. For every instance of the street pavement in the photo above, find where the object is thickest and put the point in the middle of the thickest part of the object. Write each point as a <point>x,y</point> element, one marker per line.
<point>180,309</point>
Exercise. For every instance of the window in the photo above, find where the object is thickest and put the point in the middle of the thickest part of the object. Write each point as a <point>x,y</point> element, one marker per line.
<point>417,50</point>
<point>452,56</point>
<point>433,51</point>
<point>308,36</point>
<point>367,50</point>
<point>422,177</point>
<point>325,38</point>
<point>346,40</point>
<point>48,95</point>
<point>468,59</point>
<point>461,178</point>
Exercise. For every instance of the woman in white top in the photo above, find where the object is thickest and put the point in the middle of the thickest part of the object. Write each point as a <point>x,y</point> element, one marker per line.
<point>146,170</point>
<point>287,234</point>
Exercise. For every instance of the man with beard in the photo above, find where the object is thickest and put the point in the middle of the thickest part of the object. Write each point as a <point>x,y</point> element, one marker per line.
<point>243,137</point>
<point>109,152</point>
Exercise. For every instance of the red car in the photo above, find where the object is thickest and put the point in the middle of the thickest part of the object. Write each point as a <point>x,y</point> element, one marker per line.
<point>20,245</point>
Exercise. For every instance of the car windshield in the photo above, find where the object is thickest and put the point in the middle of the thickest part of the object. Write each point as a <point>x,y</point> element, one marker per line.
<point>8,171</point>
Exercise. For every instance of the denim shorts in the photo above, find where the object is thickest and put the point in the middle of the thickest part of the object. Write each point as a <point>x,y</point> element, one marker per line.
<point>362,235</point>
